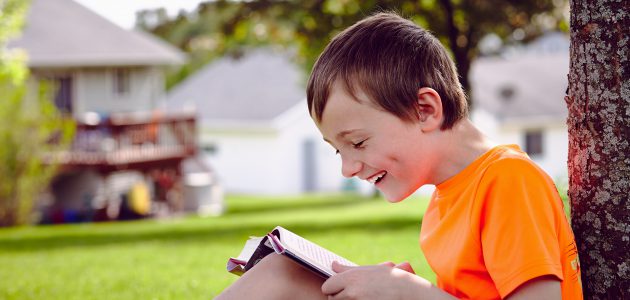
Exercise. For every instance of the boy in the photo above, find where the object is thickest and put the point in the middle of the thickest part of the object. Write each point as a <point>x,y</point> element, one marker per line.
<point>385,95</point>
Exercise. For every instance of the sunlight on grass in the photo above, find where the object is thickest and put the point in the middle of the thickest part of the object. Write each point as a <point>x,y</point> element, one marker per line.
<point>185,258</point>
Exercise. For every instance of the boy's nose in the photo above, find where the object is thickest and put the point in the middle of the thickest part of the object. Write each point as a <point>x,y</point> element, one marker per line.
<point>350,167</point>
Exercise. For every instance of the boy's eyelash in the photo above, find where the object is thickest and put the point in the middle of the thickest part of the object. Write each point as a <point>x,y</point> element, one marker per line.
<point>355,145</point>
<point>359,144</point>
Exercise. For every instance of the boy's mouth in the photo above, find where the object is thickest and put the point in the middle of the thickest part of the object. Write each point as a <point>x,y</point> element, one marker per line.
<point>376,178</point>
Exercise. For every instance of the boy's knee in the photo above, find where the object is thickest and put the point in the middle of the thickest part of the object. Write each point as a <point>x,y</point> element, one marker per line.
<point>274,259</point>
<point>276,277</point>
<point>280,265</point>
<point>282,268</point>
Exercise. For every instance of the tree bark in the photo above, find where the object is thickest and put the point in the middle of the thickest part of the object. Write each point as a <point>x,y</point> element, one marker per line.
<point>599,144</point>
<point>461,54</point>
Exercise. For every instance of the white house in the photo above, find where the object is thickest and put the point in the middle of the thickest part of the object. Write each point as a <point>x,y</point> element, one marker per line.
<point>255,126</point>
<point>519,99</point>
<point>98,66</point>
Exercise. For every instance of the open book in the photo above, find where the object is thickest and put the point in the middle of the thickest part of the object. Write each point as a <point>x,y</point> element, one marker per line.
<point>284,242</point>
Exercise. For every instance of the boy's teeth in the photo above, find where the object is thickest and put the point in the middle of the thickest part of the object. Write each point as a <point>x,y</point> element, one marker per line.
<point>375,178</point>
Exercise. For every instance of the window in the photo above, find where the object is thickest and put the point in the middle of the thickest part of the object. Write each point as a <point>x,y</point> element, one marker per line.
<point>210,149</point>
<point>122,81</point>
<point>534,142</point>
<point>62,86</point>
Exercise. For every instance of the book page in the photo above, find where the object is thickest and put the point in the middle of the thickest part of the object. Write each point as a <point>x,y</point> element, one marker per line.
<point>262,250</point>
<point>237,265</point>
<point>250,247</point>
<point>321,257</point>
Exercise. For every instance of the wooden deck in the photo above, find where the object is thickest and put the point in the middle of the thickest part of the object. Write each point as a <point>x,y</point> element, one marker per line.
<point>131,141</point>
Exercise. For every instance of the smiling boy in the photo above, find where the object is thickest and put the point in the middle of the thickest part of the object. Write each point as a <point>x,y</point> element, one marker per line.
<point>385,95</point>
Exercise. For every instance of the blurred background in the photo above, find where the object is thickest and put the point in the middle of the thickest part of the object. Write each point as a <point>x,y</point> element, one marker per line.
<point>190,118</point>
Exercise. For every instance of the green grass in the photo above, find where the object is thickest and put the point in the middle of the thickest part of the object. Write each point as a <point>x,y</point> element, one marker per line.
<point>185,258</point>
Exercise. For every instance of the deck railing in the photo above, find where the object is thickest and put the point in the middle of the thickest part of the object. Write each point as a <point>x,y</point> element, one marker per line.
<point>131,140</point>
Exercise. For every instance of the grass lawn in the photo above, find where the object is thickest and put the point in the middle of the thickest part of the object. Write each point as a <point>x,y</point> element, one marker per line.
<point>185,258</point>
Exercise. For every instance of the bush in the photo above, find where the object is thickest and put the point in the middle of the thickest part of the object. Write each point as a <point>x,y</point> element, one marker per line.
<point>30,127</point>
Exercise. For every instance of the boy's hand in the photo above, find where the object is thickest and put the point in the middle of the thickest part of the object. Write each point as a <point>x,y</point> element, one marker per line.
<point>384,281</point>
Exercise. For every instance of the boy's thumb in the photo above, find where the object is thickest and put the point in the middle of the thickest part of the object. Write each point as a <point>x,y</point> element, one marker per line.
<point>339,268</point>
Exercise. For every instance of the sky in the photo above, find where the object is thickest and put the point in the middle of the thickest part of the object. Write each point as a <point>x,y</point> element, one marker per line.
<point>123,12</point>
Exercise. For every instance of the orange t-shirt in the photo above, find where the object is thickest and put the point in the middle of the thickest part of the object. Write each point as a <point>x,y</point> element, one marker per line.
<point>497,224</point>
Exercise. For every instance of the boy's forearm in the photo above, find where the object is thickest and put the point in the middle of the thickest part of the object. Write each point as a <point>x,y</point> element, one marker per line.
<point>423,289</point>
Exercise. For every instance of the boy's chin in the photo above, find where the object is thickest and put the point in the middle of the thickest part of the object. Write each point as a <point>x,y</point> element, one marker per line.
<point>394,197</point>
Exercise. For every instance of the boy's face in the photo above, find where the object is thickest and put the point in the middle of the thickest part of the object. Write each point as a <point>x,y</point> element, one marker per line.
<point>376,145</point>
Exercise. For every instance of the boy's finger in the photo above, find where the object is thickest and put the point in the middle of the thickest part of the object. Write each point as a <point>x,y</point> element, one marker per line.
<point>405,266</point>
<point>388,264</point>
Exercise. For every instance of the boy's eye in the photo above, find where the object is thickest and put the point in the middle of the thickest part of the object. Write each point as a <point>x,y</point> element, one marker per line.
<point>358,145</point>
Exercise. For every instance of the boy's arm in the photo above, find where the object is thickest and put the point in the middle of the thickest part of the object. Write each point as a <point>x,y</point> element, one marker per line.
<point>379,282</point>
<point>386,282</point>
<point>544,287</point>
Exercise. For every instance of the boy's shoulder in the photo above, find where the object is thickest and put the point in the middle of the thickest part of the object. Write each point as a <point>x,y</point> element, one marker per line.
<point>514,175</point>
<point>510,161</point>
<point>504,165</point>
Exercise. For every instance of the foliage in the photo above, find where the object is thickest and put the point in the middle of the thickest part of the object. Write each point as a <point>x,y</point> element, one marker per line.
<point>11,19</point>
<point>185,258</point>
<point>223,26</point>
<point>30,127</point>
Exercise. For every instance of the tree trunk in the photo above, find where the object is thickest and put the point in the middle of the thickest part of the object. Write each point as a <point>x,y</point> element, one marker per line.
<point>599,144</point>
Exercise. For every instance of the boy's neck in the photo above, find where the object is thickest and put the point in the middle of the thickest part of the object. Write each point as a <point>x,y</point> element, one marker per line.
<point>463,144</point>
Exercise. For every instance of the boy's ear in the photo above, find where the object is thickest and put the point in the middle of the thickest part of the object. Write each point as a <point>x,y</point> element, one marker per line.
<point>429,109</point>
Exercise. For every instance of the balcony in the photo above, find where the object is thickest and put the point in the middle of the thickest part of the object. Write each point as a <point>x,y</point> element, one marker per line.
<point>124,141</point>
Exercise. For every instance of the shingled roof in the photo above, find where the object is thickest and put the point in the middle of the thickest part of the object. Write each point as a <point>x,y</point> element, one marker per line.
<point>63,33</point>
<point>255,88</point>
<point>523,86</point>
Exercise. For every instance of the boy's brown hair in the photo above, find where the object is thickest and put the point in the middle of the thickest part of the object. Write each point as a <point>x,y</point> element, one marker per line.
<point>390,58</point>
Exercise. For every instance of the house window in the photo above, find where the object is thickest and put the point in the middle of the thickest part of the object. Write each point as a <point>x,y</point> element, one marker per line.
<point>210,149</point>
<point>63,93</point>
<point>534,142</point>
<point>122,81</point>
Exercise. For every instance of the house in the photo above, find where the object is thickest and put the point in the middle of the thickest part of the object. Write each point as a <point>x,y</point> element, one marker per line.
<point>111,81</point>
<point>255,128</point>
<point>519,99</point>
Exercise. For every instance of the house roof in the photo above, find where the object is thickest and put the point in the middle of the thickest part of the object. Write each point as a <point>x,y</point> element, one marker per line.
<point>63,33</point>
<point>528,85</point>
<point>254,89</point>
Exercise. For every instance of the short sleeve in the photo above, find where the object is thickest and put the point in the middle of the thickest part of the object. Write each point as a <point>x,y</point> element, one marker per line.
<point>519,224</point>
